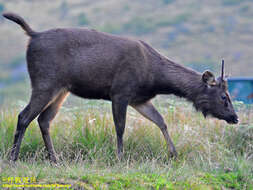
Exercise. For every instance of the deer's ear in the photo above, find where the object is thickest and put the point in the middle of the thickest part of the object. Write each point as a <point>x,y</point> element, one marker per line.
<point>208,78</point>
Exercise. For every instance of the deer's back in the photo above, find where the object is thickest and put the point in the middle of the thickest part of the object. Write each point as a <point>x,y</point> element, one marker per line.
<point>87,62</point>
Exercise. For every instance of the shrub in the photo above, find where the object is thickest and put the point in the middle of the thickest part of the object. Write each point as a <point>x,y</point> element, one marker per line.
<point>232,2</point>
<point>82,19</point>
<point>111,28</point>
<point>168,1</point>
<point>139,25</point>
<point>1,8</point>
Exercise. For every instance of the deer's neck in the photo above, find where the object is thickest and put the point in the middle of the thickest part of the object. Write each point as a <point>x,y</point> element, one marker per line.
<point>173,78</point>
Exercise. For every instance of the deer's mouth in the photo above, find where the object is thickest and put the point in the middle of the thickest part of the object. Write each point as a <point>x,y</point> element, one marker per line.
<point>233,119</point>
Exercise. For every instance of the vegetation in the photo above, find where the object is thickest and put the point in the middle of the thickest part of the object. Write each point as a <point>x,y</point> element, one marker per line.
<point>82,19</point>
<point>1,7</point>
<point>233,2</point>
<point>212,154</point>
<point>168,1</point>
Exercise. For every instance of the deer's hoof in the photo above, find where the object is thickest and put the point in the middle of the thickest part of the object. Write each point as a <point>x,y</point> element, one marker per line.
<point>173,154</point>
<point>53,160</point>
<point>12,159</point>
<point>120,156</point>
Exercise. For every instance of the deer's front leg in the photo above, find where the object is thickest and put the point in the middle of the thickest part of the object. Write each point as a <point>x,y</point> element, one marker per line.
<point>119,109</point>
<point>148,110</point>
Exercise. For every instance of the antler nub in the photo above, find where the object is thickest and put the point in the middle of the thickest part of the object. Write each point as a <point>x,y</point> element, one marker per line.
<point>222,69</point>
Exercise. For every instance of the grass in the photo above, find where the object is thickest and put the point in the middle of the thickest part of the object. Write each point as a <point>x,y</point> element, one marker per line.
<point>212,154</point>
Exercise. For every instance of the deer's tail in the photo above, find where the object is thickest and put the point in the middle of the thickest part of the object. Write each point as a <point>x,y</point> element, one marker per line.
<point>21,22</point>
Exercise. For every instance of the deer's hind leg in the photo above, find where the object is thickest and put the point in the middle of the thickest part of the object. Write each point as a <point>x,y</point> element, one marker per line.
<point>44,121</point>
<point>40,99</point>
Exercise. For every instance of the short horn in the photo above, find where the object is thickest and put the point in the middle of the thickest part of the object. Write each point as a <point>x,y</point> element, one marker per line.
<point>222,69</point>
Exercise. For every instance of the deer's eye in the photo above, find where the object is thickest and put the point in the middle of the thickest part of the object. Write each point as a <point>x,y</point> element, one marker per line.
<point>223,97</point>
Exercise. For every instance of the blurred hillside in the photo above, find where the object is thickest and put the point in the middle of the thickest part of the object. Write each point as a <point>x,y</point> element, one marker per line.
<point>196,33</point>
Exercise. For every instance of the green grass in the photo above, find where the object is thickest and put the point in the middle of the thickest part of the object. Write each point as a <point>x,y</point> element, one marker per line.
<point>212,154</point>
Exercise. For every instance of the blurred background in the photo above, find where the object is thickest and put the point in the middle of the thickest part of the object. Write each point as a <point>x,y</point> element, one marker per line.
<point>195,33</point>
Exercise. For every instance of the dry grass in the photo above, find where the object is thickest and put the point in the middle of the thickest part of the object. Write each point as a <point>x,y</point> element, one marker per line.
<point>85,143</point>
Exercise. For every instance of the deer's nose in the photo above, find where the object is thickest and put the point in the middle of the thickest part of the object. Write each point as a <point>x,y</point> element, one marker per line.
<point>234,119</point>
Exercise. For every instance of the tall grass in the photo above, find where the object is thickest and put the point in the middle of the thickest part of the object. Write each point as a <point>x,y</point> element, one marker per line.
<point>211,152</point>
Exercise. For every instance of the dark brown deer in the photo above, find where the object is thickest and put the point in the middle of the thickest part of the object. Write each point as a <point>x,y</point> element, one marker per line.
<point>96,65</point>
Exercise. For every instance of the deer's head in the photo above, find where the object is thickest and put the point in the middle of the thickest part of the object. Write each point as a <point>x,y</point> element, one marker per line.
<point>214,98</point>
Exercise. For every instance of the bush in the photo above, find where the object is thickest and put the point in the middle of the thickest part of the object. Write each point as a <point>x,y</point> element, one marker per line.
<point>63,9</point>
<point>168,1</point>
<point>1,8</point>
<point>82,19</point>
<point>139,25</point>
<point>232,2</point>
<point>111,28</point>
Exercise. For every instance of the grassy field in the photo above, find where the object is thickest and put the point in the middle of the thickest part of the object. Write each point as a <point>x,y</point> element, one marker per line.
<point>212,154</point>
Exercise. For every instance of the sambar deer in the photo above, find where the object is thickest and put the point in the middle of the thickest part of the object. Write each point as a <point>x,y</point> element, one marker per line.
<point>96,65</point>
